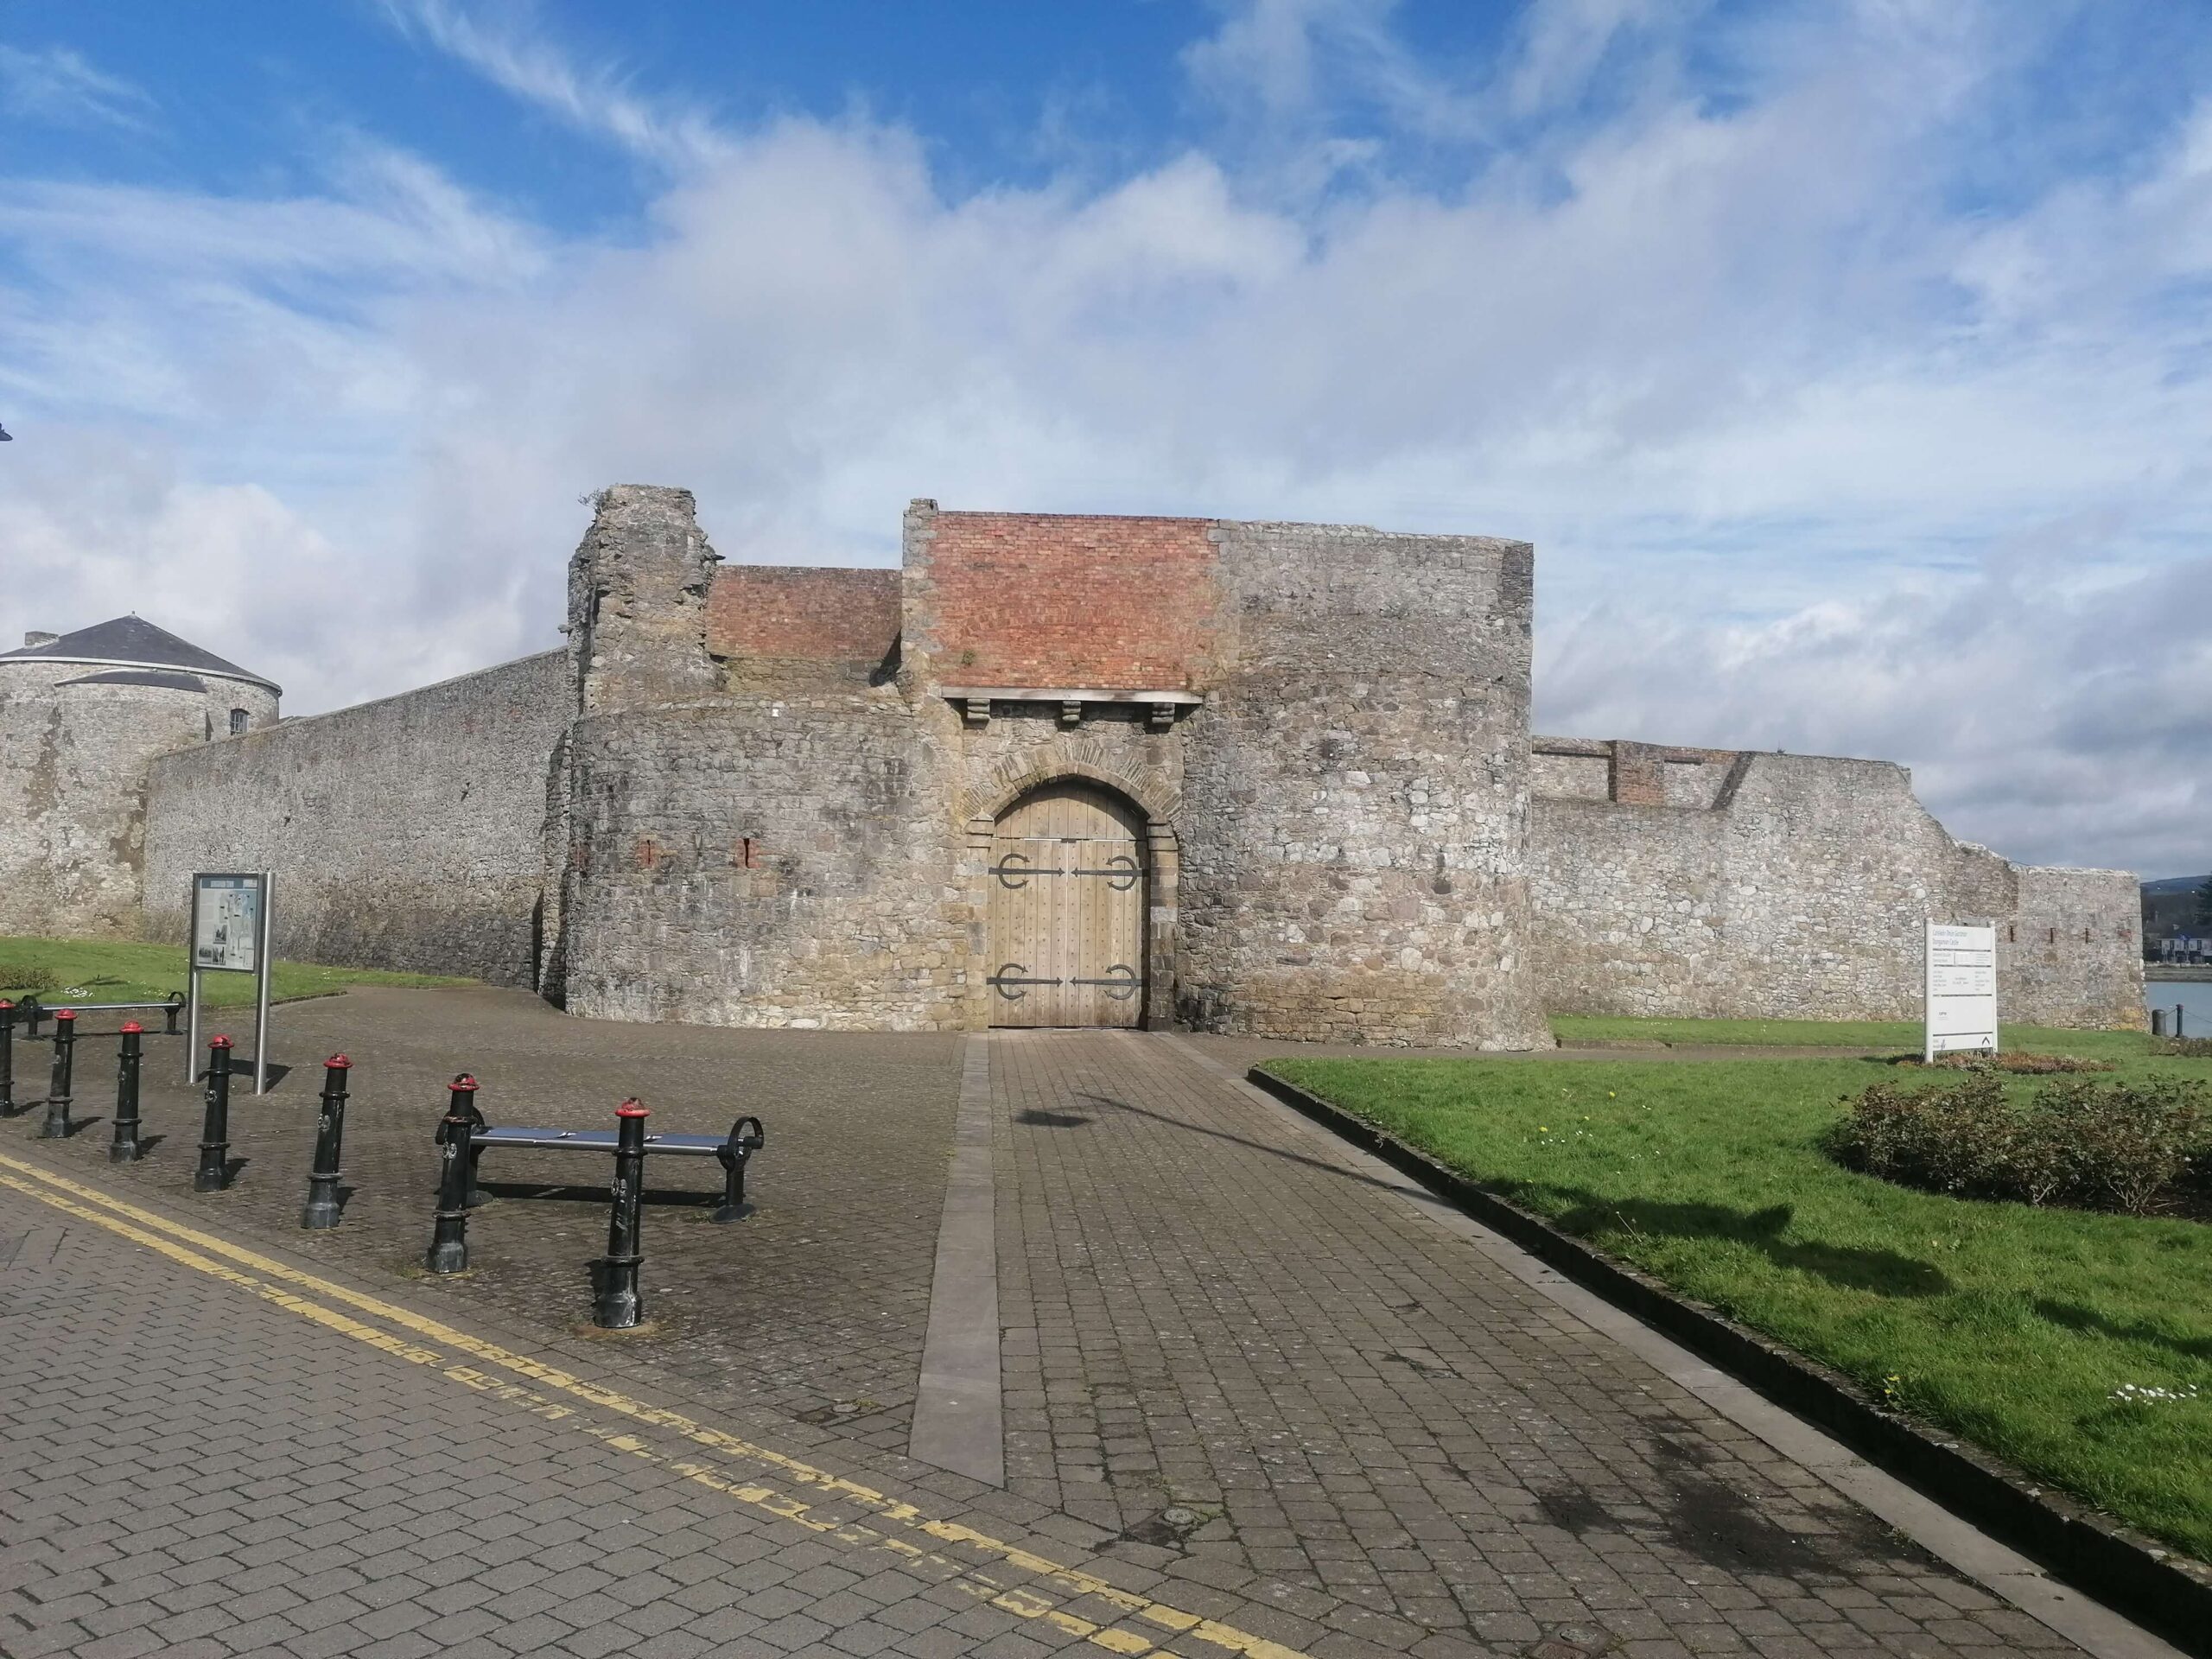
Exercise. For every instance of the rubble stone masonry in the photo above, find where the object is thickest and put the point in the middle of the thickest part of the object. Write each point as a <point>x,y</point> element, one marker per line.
<point>75,747</point>
<point>1705,883</point>
<point>762,796</point>
<point>403,834</point>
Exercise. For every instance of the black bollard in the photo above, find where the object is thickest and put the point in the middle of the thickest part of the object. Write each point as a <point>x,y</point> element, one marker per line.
<point>31,1013</point>
<point>2177,1008</point>
<point>461,1101</point>
<point>7,1059</point>
<point>617,1303</point>
<point>213,1174</point>
<point>176,1005</point>
<point>123,1148</point>
<point>321,1210</point>
<point>746,1138</point>
<point>2157,1022</point>
<point>56,1126</point>
<point>449,1250</point>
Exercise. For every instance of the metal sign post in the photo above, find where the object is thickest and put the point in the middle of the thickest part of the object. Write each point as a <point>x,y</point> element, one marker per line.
<point>230,934</point>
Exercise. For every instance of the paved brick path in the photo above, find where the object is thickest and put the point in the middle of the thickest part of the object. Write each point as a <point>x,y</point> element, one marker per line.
<point>196,1465</point>
<point>1205,1311</point>
<point>816,1306</point>
<point>1386,1441</point>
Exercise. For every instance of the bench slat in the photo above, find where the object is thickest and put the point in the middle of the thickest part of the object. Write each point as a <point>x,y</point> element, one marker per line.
<point>593,1141</point>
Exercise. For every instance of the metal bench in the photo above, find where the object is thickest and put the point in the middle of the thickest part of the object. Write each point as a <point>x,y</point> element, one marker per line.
<point>32,1011</point>
<point>733,1151</point>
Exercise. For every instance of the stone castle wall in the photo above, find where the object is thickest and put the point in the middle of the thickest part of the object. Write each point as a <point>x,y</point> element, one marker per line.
<point>75,745</point>
<point>1697,883</point>
<point>763,861</point>
<point>1356,793</point>
<point>1336,835</point>
<point>765,796</point>
<point>404,834</point>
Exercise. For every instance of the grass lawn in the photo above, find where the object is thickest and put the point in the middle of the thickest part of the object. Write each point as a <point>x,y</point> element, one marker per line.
<point>95,970</point>
<point>1898,1036</point>
<point>2011,1326</point>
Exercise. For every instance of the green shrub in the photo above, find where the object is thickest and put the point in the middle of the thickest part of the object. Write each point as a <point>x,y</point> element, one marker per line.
<point>2011,1063</point>
<point>2187,1048</point>
<point>21,979</point>
<point>2094,1145</point>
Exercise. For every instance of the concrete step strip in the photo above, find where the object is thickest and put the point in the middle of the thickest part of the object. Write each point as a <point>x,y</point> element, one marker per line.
<point>959,1421</point>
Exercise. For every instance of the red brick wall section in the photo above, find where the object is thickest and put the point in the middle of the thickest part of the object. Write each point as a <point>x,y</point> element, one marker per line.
<point>1063,601</point>
<point>801,612</point>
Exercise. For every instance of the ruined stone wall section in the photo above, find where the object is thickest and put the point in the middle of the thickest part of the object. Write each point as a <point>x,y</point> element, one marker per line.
<point>638,586</point>
<point>766,862</point>
<point>406,833</point>
<point>1356,793</point>
<point>74,760</point>
<point>2071,952</point>
<point>1801,892</point>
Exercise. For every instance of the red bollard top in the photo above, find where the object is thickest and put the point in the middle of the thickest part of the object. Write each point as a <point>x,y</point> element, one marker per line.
<point>65,1014</point>
<point>630,1108</point>
<point>219,1042</point>
<point>337,1063</point>
<point>464,1084</point>
<point>5,1003</point>
<point>131,1028</point>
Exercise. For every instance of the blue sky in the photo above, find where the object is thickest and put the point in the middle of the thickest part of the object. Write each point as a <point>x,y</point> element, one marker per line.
<point>1846,362</point>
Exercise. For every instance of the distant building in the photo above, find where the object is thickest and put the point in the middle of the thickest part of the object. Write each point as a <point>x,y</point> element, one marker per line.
<point>2170,916</point>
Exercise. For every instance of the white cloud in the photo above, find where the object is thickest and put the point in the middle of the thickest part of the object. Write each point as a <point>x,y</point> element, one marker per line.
<point>2057,723</point>
<point>1564,41</point>
<point>57,85</point>
<point>598,100</point>
<point>1809,449</point>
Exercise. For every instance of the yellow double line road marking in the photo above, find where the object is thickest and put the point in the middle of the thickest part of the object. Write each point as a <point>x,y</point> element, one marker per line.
<point>893,1525</point>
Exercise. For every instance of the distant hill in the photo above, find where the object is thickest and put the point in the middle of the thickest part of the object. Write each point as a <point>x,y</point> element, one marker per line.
<point>2176,884</point>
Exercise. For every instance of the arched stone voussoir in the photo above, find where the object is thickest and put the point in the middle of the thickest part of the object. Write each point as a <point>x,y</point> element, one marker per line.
<point>1020,774</point>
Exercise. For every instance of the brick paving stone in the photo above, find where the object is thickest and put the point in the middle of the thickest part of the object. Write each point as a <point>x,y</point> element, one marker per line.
<point>1390,1445</point>
<point>816,1306</point>
<point>621,1556</point>
<point>1205,1311</point>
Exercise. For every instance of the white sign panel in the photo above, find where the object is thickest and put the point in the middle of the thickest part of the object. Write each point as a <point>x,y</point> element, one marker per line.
<point>226,923</point>
<point>1961,989</point>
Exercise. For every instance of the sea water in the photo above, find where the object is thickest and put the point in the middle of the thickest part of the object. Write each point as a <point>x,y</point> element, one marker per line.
<point>2195,997</point>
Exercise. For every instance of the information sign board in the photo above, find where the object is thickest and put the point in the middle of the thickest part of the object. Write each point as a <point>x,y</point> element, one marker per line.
<point>226,923</point>
<point>230,934</point>
<point>1961,989</point>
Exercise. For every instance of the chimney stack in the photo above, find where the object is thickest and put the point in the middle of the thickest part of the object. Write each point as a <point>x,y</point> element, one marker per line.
<point>39,636</point>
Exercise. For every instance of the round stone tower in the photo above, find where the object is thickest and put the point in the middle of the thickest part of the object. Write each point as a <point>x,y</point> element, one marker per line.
<point>82,715</point>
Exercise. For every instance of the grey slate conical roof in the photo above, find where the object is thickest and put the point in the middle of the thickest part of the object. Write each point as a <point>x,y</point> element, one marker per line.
<point>133,642</point>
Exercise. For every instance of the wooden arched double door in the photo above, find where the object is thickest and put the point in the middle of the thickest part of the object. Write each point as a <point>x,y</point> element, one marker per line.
<point>1068,897</point>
